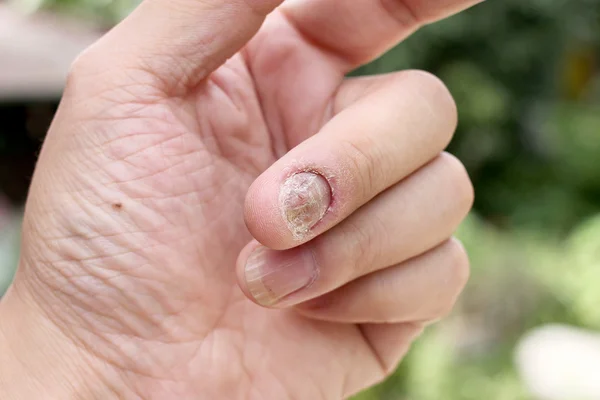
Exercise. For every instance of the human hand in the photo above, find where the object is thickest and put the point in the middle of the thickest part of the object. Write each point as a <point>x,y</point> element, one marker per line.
<point>127,286</point>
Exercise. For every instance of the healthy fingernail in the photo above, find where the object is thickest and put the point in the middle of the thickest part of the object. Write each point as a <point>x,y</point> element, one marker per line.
<point>273,275</point>
<point>304,199</point>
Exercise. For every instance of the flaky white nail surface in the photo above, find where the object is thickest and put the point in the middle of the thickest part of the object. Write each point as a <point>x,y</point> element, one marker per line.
<point>304,199</point>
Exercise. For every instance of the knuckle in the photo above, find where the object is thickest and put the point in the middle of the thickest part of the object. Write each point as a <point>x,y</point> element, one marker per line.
<point>458,263</point>
<point>80,67</point>
<point>440,311</point>
<point>444,311</point>
<point>436,90</point>
<point>456,277</point>
<point>459,180</point>
<point>363,248</point>
<point>385,296</point>
<point>405,13</point>
<point>441,105</point>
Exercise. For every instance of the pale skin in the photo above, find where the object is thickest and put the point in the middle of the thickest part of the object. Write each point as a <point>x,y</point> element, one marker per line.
<point>163,171</point>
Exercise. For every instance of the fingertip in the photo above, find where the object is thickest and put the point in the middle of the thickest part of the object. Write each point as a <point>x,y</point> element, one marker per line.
<point>261,213</point>
<point>281,210</point>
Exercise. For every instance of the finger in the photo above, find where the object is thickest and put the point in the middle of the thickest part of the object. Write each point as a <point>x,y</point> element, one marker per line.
<point>422,289</point>
<point>401,223</point>
<point>180,42</point>
<point>358,31</point>
<point>363,150</point>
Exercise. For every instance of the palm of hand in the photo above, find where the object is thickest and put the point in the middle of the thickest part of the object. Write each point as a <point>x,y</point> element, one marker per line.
<point>181,169</point>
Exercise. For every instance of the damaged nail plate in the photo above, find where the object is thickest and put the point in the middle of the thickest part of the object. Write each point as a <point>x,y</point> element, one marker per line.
<point>304,199</point>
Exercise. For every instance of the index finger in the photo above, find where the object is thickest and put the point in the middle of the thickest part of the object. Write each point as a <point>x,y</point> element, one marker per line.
<point>358,31</point>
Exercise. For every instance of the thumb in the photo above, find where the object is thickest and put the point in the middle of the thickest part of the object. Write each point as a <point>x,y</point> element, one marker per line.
<point>180,42</point>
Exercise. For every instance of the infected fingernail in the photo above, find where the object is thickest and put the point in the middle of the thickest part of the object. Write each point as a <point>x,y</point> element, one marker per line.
<point>304,199</point>
<point>273,275</point>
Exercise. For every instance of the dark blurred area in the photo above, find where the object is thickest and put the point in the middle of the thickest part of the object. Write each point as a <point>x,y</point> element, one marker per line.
<point>526,78</point>
<point>24,124</point>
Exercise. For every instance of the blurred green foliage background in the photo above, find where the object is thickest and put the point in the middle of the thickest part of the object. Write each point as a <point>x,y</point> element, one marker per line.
<point>526,78</point>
